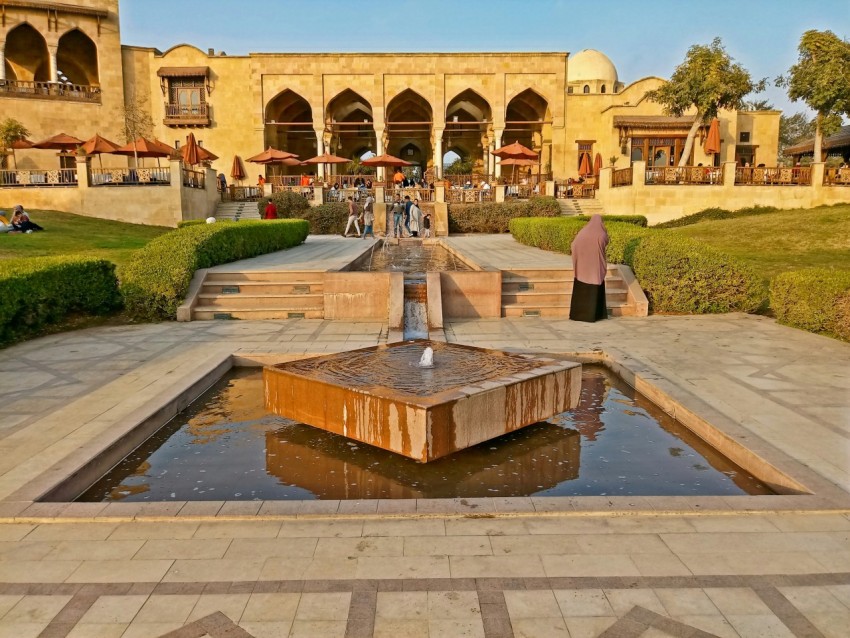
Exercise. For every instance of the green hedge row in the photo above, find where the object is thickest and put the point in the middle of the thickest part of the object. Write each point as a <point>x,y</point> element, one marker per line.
<point>637,220</point>
<point>816,299</point>
<point>716,213</point>
<point>328,219</point>
<point>677,275</point>
<point>495,217</point>
<point>40,291</point>
<point>157,280</point>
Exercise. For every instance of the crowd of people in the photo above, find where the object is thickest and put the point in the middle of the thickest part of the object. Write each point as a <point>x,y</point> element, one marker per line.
<point>20,222</point>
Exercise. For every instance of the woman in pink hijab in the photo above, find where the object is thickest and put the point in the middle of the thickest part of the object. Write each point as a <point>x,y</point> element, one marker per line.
<point>589,268</point>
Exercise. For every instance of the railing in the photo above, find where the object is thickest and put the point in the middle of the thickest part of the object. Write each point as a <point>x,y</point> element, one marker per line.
<point>342,194</point>
<point>621,177</point>
<point>522,191</point>
<point>416,192</point>
<point>156,176</point>
<point>187,114</point>
<point>50,91</point>
<point>305,191</point>
<point>38,177</point>
<point>474,179</point>
<point>241,194</point>
<point>773,176</point>
<point>194,179</point>
<point>345,181</point>
<point>469,195</point>
<point>284,180</point>
<point>836,177</point>
<point>691,175</point>
<point>575,190</point>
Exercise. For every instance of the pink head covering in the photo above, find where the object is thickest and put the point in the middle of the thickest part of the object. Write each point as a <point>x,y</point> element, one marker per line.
<point>588,252</point>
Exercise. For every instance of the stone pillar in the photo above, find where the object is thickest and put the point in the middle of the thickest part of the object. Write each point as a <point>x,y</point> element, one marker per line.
<point>550,188</point>
<point>491,161</point>
<point>729,174</point>
<point>320,168</point>
<point>638,174</point>
<point>2,61</point>
<point>439,192</point>
<point>318,194</point>
<point>497,167</point>
<point>83,180</point>
<point>438,153</point>
<point>54,69</point>
<point>379,150</point>
<point>500,193</point>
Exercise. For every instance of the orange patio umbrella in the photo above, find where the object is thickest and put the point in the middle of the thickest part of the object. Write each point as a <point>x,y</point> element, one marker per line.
<point>270,156</point>
<point>237,171</point>
<point>515,151</point>
<point>326,159</point>
<point>712,140</point>
<point>61,142</point>
<point>584,168</point>
<point>597,164</point>
<point>385,161</point>
<point>19,145</point>
<point>98,145</point>
<point>517,161</point>
<point>143,147</point>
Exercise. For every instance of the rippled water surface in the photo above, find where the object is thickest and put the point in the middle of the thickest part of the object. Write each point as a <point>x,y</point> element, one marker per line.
<point>408,258</point>
<point>226,447</point>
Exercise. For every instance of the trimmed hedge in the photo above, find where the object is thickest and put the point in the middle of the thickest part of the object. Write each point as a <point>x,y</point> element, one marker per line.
<point>637,220</point>
<point>289,205</point>
<point>678,275</point>
<point>816,299</point>
<point>156,281</point>
<point>495,217</point>
<point>328,219</point>
<point>43,290</point>
<point>716,213</point>
<point>683,275</point>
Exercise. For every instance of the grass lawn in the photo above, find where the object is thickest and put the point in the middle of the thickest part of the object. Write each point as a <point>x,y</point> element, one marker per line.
<point>67,234</point>
<point>780,241</point>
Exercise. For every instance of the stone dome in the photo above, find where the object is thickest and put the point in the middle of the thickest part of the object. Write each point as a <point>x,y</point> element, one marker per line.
<point>590,64</point>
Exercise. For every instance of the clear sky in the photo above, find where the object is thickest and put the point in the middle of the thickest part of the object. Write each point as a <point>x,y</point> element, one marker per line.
<point>642,37</point>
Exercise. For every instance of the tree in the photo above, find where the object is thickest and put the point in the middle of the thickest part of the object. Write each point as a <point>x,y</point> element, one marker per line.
<point>797,128</point>
<point>821,79</point>
<point>459,167</point>
<point>11,131</point>
<point>758,105</point>
<point>137,120</point>
<point>708,81</point>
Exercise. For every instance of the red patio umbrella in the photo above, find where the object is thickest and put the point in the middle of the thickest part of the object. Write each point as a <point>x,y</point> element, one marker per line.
<point>143,147</point>
<point>597,164</point>
<point>61,142</point>
<point>98,145</point>
<point>584,168</point>
<point>326,159</point>
<point>712,140</point>
<point>19,145</point>
<point>385,161</point>
<point>270,155</point>
<point>237,171</point>
<point>515,151</point>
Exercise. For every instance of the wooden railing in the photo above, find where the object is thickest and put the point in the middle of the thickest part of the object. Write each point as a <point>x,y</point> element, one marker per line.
<point>523,191</point>
<point>284,180</point>
<point>194,179</point>
<point>156,176</point>
<point>198,114</point>
<point>690,175</point>
<point>836,177</point>
<point>621,177</point>
<point>773,176</point>
<point>417,192</point>
<point>50,91</point>
<point>345,181</point>
<point>305,191</point>
<point>469,195</point>
<point>38,177</point>
<point>342,194</point>
<point>474,179</point>
<point>241,194</point>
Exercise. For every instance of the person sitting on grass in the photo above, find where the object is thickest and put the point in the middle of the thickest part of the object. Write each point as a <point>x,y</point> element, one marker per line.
<point>22,223</point>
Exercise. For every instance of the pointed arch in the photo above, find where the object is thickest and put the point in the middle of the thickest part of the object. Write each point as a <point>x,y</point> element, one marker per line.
<point>528,121</point>
<point>26,54</point>
<point>349,124</point>
<point>76,59</point>
<point>409,106</point>
<point>409,119</point>
<point>348,106</point>
<point>469,106</point>
<point>289,127</point>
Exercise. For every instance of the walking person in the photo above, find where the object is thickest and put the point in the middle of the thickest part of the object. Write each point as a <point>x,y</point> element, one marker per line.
<point>369,216</point>
<point>398,211</point>
<point>352,217</point>
<point>407,205</point>
<point>589,268</point>
<point>426,224</point>
<point>415,219</point>
<point>270,211</point>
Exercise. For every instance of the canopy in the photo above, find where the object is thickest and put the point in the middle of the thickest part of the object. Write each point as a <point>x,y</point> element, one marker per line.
<point>143,147</point>
<point>271,156</point>
<point>237,171</point>
<point>61,142</point>
<point>21,144</point>
<point>97,145</point>
<point>515,151</point>
<point>584,167</point>
<point>386,161</point>
<point>712,140</point>
<point>597,164</point>
<point>517,161</point>
<point>327,158</point>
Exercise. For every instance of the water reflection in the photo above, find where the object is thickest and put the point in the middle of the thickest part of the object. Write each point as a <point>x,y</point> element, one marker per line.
<point>409,258</point>
<point>225,447</point>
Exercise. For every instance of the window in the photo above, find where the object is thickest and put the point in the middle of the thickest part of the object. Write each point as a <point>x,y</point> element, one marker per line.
<point>585,148</point>
<point>187,95</point>
<point>586,89</point>
<point>569,89</point>
<point>745,137</point>
<point>602,90</point>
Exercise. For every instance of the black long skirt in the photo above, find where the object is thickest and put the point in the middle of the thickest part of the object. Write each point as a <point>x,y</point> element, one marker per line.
<point>588,302</point>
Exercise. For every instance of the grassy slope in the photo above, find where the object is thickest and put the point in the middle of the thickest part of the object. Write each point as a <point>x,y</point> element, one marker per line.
<point>67,234</point>
<point>780,241</point>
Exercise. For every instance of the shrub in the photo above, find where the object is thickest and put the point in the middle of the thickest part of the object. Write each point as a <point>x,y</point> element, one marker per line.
<point>43,290</point>
<point>289,205</point>
<point>637,220</point>
<point>816,299</point>
<point>685,276</point>
<point>558,235</point>
<point>327,219</point>
<point>495,217</point>
<point>156,281</point>
<point>716,213</point>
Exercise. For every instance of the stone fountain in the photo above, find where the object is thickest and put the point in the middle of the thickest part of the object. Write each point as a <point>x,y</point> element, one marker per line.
<point>422,399</point>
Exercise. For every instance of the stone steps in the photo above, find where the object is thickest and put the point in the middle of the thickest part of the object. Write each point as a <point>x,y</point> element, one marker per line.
<point>260,295</point>
<point>573,207</point>
<point>236,211</point>
<point>256,314</point>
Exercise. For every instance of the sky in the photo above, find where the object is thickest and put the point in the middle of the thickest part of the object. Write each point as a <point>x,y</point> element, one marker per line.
<point>641,37</point>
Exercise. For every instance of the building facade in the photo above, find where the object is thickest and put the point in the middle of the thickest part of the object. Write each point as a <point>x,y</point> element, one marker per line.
<point>64,69</point>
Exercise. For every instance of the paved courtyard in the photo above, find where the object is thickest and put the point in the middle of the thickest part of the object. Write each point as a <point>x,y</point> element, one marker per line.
<point>575,567</point>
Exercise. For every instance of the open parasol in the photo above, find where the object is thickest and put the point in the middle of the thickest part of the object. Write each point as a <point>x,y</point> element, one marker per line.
<point>237,171</point>
<point>143,147</point>
<point>270,156</point>
<point>517,161</point>
<point>98,145</point>
<point>326,159</point>
<point>712,140</point>
<point>19,145</point>
<point>385,161</point>
<point>61,142</point>
<point>515,151</point>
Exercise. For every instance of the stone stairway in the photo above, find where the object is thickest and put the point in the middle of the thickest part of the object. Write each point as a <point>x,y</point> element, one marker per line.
<point>234,211</point>
<point>573,207</point>
<point>547,293</point>
<point>261,295</point>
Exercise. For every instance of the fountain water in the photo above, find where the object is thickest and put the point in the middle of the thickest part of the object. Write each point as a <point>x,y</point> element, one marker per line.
<point>415,309</point>
<point>427,359</point>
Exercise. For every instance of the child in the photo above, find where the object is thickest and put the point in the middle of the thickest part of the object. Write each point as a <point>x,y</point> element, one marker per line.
<point>426,223</point>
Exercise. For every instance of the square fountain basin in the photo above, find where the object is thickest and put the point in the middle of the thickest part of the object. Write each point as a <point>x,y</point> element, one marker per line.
<point>380,396</point>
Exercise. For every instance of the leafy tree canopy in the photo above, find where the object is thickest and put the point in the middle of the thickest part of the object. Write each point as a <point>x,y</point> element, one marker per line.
<point>821,77</point>
<point>11,130</point>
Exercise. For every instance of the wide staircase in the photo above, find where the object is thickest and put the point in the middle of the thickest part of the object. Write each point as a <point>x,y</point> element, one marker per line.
<point>234,211</point>
<point>547,293</point>
<point>573,207</point>
<point>261,295</point>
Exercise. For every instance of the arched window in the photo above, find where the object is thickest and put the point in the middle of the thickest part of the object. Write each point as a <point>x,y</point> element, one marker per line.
<point>76,59</point>
<point>26,55</point>
<point>586,89</point>
<point>602,90</point>
<point>569,89</point>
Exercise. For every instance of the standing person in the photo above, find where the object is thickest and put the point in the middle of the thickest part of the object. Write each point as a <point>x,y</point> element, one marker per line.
<point>415,218</point>
<point>352,217</point>
<point>369,216</point>
<point>426,224</point>
<point>407,205</point>
<point>270,211</point>
<point>261,181</point>
<point>222,182</point>
<point>589,268</point>
<point>398,211</point>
